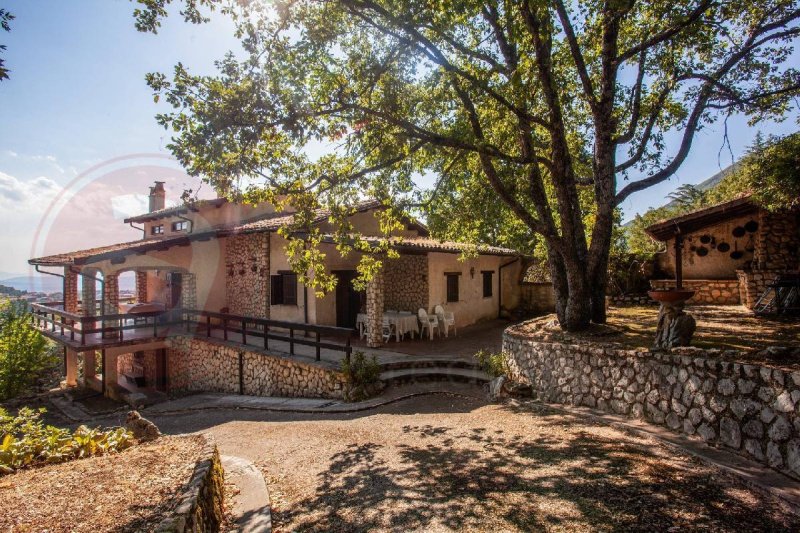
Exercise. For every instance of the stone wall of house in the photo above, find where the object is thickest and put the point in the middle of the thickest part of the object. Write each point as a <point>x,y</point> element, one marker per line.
<point>70,290</point>
<point>753,283</point>
<point>145,359</point>
<point>406,283</point>
<point>196,365</point>
<point>777,242</point>
<point>247,274</point>
<point>707,291</point>
<point>141,286</point>
<point>750,409</point>
<point>536,298</point>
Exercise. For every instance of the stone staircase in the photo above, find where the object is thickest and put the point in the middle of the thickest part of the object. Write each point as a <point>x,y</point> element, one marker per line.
<point>432,369</point>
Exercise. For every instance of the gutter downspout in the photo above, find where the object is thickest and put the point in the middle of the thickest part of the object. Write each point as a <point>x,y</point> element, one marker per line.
<point>500,284</point>
<point>144,233</point>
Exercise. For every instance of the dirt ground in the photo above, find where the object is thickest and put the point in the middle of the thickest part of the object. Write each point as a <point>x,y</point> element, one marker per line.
<point>721,327</point>
<point>452,463</point>
<point>125,492</point>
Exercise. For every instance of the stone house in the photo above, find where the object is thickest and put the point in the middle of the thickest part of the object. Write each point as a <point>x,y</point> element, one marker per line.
<point>727,253</point>
<point>228,260</point>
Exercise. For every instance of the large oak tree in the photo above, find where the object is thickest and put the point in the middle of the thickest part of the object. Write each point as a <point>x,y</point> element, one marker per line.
<point>556,111</point>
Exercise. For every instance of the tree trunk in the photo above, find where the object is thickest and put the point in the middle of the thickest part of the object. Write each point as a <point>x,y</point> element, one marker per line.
<point>572,293</point>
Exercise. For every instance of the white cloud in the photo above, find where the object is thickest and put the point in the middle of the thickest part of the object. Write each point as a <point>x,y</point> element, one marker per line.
<point>129,205</point>
<point>32,196</point>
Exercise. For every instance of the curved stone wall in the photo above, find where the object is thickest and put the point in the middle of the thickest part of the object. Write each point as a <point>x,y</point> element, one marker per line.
<point>750,409</point>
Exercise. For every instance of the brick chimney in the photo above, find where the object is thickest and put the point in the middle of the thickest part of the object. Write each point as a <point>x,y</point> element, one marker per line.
<point>158,197</point>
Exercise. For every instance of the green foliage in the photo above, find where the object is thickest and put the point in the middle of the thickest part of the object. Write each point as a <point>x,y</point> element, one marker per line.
<point>494,364</point>
<point>362,374</point>
<point>769,171</point>
<point>24,352</point>
<point>26,441</point>
<point>5,19</point>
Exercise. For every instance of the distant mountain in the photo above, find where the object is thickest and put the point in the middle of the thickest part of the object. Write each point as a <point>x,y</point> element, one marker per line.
<point>709,183</point>
<point>49,284</point>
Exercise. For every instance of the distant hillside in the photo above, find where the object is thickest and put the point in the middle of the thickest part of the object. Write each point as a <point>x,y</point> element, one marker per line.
<point>48,284</point>
<point>709,183</point>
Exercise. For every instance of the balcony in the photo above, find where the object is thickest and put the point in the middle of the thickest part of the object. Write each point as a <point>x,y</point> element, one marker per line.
<point>82,333</point>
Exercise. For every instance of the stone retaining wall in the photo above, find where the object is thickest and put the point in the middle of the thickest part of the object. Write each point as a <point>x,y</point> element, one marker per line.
<point>196,365</point>
<point>750,409</point>
<point>629,300</point>
<point>201,501</point>
<point>707,291</point>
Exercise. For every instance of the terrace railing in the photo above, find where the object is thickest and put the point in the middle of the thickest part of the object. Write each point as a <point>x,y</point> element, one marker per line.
<point>51,319</point>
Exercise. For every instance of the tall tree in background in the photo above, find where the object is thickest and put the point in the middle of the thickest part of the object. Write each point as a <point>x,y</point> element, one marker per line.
<point>5,19</point>
<point>555,110</point>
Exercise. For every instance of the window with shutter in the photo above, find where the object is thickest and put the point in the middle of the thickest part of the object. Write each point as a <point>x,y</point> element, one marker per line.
<point>283,289</point>
<point>452,287</point>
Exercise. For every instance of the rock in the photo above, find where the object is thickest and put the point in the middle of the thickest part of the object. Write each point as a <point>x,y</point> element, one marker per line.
<point>706,432</point>
<point>497,390</point>
<point>746,386</point>
<point>774,457</point>
<point>695,416</point>
<point>793,455</point>
<point>726,387</point>
<point>673,421</point>
<point>780,430</point>
<point>753,428</point>
<point>783,403</point>
<point>753,447</point>
<point>143,430</point>
<point>767,415</point>
<point>688,427</point>
<point>729,432</point>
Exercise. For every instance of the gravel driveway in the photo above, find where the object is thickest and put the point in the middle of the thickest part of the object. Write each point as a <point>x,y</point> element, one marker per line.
<point>454,463</point>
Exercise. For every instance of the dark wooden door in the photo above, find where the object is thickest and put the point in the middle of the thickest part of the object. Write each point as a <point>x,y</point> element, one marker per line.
<point>175,289</point>
<point>161,370</point>
<point>348,300</point>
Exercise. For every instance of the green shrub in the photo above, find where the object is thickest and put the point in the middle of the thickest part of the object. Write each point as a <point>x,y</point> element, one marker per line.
<point>26,441</point>
<point>24,352</point>
<point>494,364</point>
<point>362,376</point>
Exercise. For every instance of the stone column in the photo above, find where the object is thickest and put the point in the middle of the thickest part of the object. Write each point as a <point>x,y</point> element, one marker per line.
<point>71,370</point>
<point>111,301</point>
<point>375,296</point>
<point>110,373</point>
<point>141,286</point>
<point>89,294</point>
<point>70,290</point>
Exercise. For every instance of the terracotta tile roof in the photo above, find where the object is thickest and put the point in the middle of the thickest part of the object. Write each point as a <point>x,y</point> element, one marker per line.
<point>266,223</point>
<point>428,244</point>
<point>176,210</point>
<point>96,254</point>
<point>701,218</point>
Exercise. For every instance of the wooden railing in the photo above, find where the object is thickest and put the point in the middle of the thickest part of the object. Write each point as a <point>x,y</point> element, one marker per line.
<point>53,320</point>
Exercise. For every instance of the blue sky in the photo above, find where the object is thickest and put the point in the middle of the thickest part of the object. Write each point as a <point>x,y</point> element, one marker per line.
<point>77,97</point>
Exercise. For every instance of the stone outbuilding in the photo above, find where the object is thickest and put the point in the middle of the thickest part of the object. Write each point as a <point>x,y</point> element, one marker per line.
<point>727,253</point>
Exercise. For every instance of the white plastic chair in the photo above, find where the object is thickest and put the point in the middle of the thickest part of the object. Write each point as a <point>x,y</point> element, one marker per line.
<point>388,329</point>
<point>447,319</point>
<point>430,322</point>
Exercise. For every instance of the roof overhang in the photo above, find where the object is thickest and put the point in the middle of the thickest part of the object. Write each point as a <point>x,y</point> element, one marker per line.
<point>702,218</point>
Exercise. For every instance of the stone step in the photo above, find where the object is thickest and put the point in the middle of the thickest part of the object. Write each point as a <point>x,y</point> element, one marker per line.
<point>436,373</point>
<point>443,362</point>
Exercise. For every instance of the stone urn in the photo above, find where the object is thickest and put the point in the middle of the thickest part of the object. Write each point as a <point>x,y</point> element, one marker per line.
<point>675,327</point>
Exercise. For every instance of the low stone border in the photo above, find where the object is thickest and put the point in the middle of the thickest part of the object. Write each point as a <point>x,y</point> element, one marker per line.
<point>753,410</point>
<point>201,500</point>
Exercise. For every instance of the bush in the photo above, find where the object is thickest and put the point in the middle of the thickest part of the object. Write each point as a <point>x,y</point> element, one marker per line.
<point>362,376</point>
<point>25,441</point>
<point>24,352</point>
<point>494,364</point>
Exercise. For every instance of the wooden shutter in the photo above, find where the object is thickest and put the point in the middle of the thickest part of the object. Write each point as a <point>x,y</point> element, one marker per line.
<point>487,283</point>
<point>452,287</point>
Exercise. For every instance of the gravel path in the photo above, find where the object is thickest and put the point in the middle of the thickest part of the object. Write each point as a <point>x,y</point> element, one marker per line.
<point>453,463</point>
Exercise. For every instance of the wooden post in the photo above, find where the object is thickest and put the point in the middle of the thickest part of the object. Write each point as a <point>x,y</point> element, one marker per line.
<point>678,262</point>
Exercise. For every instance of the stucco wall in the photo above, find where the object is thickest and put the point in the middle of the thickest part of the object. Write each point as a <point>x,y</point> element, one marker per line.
<point>472,306</point>
<point>196,364</point>
<point>715,265</point>
<point>749,409</point>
